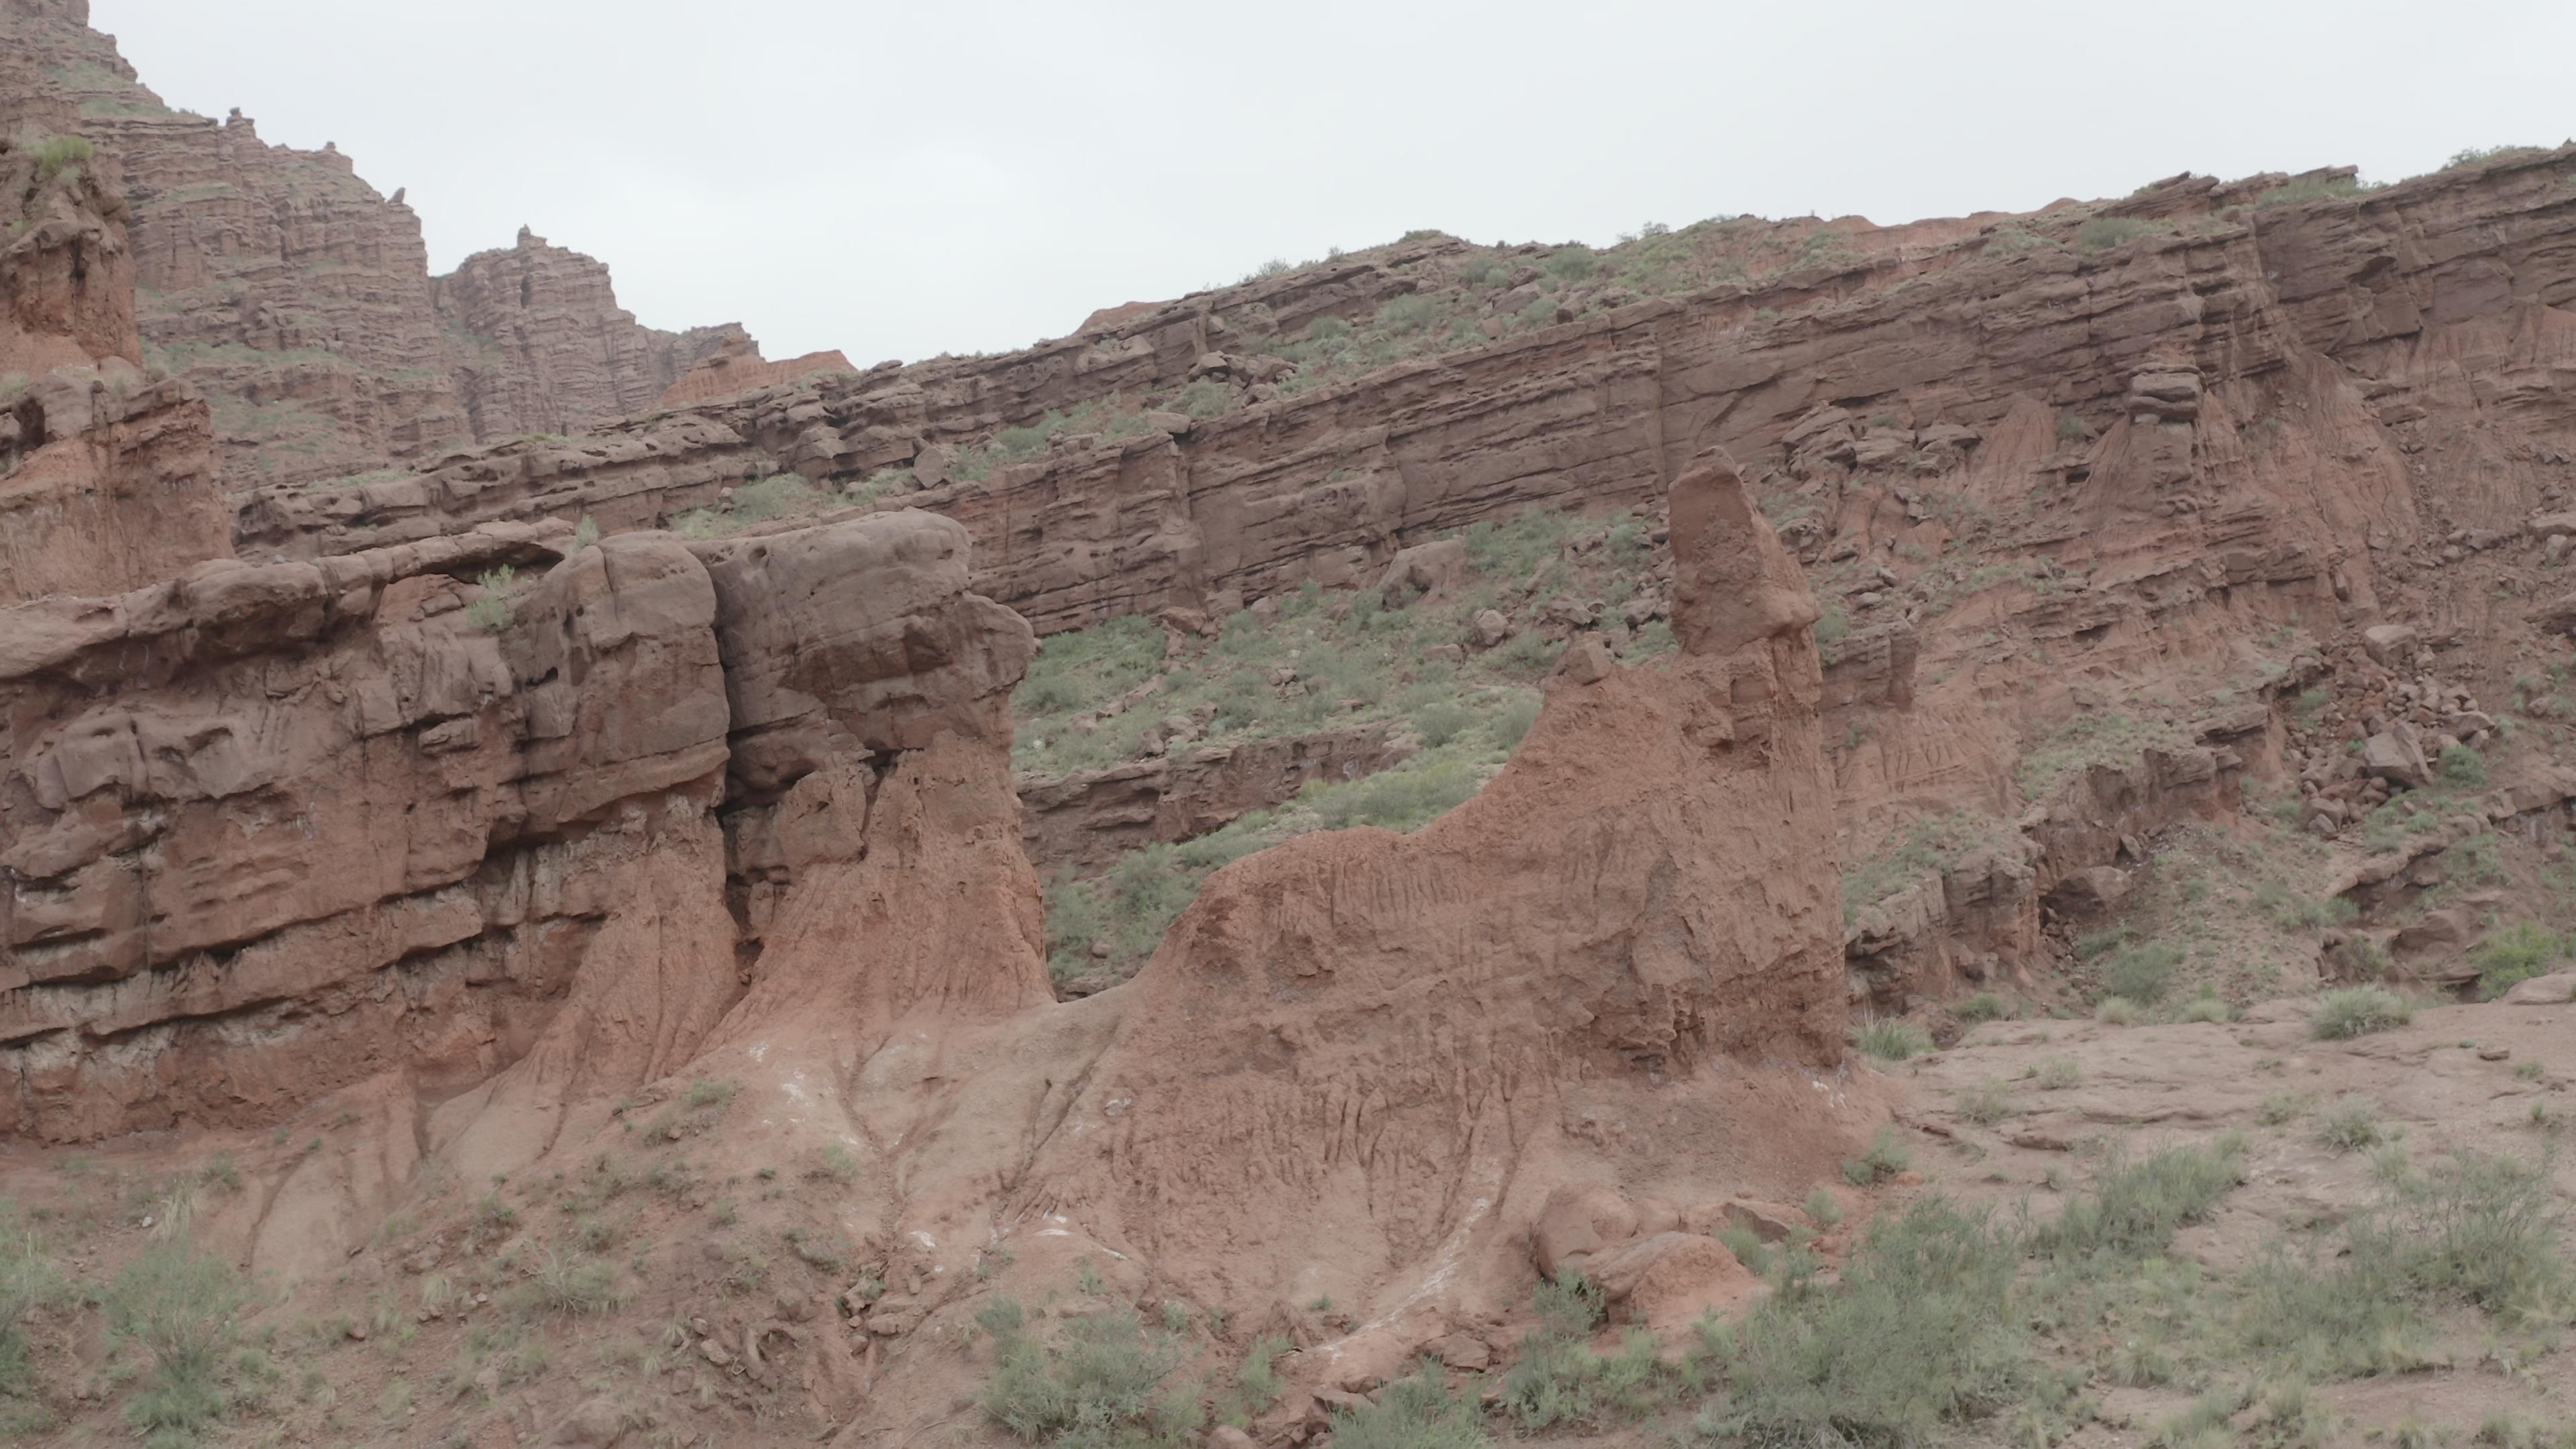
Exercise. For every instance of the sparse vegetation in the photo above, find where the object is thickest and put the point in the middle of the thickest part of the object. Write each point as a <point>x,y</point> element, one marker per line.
<point>492,611</point>
<point>1932,846</point>
<point>1098,1383</point>
<point>2313,188</point>
<point>1413,1413</point>
<point>2102,233</point>
<point>2349,1125</point>
<point>2359,1011</point>
<point>2143,974</point>
<point>2474,155</point>
<point>58,154</point>
<point>178,1305</point>
<point>1986,1103</point>
<point>1886,1157</point>
<point>1913,1344</point>
<point>2517,953</point>
<point>1890,1038</point>
<point>2136,1206</point>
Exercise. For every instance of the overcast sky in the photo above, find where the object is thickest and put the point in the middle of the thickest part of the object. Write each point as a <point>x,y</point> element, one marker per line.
<point>960,175</point>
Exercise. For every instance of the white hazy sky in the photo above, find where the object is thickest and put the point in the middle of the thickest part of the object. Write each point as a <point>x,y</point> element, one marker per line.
<point>900,180</point>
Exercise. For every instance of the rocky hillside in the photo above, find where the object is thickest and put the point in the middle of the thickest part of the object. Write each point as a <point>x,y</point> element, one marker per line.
<point>1446,842</point>
<point>298,299</point>
<point>2112,488</point>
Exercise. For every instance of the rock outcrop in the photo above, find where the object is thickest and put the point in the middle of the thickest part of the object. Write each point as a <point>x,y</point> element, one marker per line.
<point>298,298</point>
<point>735,367</point>
<point>106,480</point>
<point>1084,819</point>
<point>546,349</point>
<point>272,829</point>
<point>1406,1033</point>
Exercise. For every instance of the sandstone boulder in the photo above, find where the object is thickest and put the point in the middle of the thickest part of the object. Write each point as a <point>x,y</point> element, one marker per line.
<point>1578,1223</point>
<point>2395,758</point>
<point>2391,645</point>
<point>2555,989</point>
<point>1423,569</point>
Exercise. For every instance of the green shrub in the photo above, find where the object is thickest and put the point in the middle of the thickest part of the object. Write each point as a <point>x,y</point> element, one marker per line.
<point>492,612</point>
<point>1207,398</point>
<point>585,534</point>
<point>2143,974</point>
<point>2057,1074</point>
<point>57,154</point>
<point>2208,1006</point>
<point>1571,263</point>
<point>571,1285</point>
<point>2102,233</point>
<point>776,496</point>
<point>2070,426</point>
<point>2358,1011</point>
<point>1406,798</point>
<point>1257,1381</point>
<point>2116,1011</point>
<point>1890,1038</point>
<point>2517,953</point>
<point>2136,1207</point>
<point>1824,1208</point>
<point>2477,1231</point>
<point>1512,722</point>
<point>1985,1006</point>
<point>179,1306</point>
<point>1833,628</point>
<point>1413,1413</point>
<point>29,1280</point>
<point>1087,668</point>
<point>1887,1156</point>
<point>2349,1125</point>
<point>1560,1379</point>
<point>2463,767</point>
<point>1985,1103</point>
<point>1409,313</point>
<point>1442,721</point>
<point>2312,188</point>
<point>1915,1342</point>
<point>1748,1249</point>
<point>2475,154</point>
<point>1095,1387</point>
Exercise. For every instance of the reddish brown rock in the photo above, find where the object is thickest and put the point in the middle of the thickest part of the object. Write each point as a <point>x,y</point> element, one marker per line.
<point>298,299</point>
<point>106,482</point>
<point>1084,819</point>
<point>298,823</point>
<point>1400,1031</point>
<point>547,348</point>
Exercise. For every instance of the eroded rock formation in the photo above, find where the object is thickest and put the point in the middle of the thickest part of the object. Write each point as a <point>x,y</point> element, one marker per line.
<point>275,828</point>
<point>298,298</point>
<point>105,479</point>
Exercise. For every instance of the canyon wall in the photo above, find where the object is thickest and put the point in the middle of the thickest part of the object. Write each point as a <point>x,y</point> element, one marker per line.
<point>298,299</point>
<point>275,828</point>
<point>106,480</point>
<point>2240,382</point>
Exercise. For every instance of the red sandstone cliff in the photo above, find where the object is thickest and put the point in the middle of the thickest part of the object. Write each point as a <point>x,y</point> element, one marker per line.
<point>105,478</point>
<point>298,299</point>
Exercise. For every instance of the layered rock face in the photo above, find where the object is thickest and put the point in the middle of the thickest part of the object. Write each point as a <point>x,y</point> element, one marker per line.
<point>1397,1031</point>
<point>548,350</point>
<point>105,480</point>
<point>2205,370</point>
<point>734,367</point>
<point>277,828</point>
<point>298,298</point>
